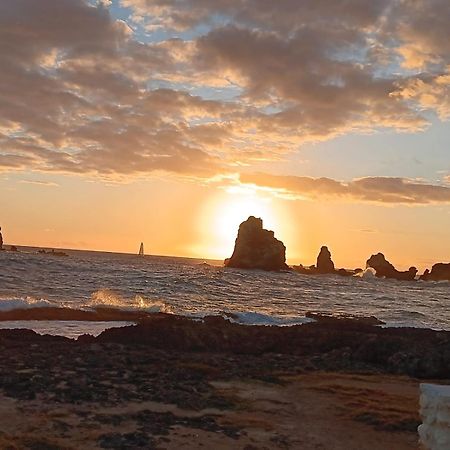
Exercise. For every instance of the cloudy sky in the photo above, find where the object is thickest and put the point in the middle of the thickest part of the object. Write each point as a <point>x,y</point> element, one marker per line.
<point>170,121</point>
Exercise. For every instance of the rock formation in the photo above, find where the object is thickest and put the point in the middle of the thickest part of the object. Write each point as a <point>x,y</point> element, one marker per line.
<point>324,262</point>
<point>325,265</point>
<point>1,239</point>
<point>384,268</point>
<point>256,248</point>
<point>439,272</point>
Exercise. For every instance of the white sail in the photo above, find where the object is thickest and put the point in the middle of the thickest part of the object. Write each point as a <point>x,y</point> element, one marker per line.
<point>141,249</point>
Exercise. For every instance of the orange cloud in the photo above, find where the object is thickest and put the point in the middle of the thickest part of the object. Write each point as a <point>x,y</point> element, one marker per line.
<point>83,95</point>
<point>383,190</point>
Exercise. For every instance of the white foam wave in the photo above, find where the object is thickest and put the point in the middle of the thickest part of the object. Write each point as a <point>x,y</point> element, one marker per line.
<point>368,273</point>
<point>254,318</point>
<point>108,298</point>
<point>10,304</point>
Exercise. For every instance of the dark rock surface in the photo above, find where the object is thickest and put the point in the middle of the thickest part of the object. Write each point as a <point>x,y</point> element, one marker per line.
<point>337,343</point>
<point>439,272</point>
<point>331,343</point>
<point>257,248</point>
<point>324,261</point>
<point>119,390</point>
<point>384,268</point>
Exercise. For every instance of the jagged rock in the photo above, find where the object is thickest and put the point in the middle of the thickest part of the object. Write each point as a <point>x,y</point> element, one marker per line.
<point>257,248</point>
<point>439,272</point>
<point>324,262</point>
<point>384,268</point>
<point>325,265</point>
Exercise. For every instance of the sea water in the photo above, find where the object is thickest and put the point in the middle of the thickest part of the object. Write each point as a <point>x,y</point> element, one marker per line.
<point>192,287</point>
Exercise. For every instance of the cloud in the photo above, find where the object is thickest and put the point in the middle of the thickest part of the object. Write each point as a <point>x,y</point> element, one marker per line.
<point>81,92</point>
<point>382,190</point>
<point>40,183</point>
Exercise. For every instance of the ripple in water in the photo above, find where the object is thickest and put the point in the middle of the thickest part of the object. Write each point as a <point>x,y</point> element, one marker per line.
<point>191,287</point>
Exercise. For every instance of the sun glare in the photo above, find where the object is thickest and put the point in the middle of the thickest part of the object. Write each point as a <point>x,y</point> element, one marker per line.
<point>226,211</point>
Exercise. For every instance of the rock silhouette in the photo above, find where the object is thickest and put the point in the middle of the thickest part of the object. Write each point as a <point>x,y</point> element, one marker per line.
<point>325,266</point>
<point>324,261</point>
<point>384,268</point>
<point>439,272</point>
<point>1,239</point>
<point>257,248</point>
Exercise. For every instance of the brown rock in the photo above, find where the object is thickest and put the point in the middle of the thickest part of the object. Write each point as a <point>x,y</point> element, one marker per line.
<point>384,268</point>
<point>257,248</point>
<point>324,262</point>
<point>439,272</point>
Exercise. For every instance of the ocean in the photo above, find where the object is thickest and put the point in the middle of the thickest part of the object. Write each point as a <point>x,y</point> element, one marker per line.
<point>192,287</point>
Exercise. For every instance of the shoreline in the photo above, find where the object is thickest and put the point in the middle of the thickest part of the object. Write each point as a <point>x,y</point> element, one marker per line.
<point>105,314</point>
<point>171,382</point>
<point>340,342</point>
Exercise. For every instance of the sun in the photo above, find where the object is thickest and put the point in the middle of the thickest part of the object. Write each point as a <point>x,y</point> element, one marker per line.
<point>226,211</point>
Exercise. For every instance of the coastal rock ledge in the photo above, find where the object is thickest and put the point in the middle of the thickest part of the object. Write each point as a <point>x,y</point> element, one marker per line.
<point>257,248</point>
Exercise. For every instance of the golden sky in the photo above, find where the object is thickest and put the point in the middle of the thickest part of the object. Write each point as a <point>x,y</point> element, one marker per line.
<point>171,122</point>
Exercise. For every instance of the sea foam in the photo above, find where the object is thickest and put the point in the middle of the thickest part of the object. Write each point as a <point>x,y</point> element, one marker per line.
<point>10,304</point>
<point>111,299</point>
<point>435,411</point>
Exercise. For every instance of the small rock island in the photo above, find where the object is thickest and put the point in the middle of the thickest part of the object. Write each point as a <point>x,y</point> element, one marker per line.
<point>439,272</point>
<point>257,248</point>
<point>324,262</point>
<point>384,268</point>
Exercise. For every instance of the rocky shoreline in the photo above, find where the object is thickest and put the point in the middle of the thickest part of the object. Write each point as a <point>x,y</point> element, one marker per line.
<point>138,386</point>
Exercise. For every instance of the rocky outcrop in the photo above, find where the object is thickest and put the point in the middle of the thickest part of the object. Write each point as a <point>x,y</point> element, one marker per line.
<point>257,248</point>
<point>384,268</point>
<point>324,261</point>
<point>439,272</point>
<point>325,265</point>
<point>331,343</point>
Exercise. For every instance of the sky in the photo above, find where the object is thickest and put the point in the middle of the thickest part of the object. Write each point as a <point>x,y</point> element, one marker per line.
<point>171,121</point>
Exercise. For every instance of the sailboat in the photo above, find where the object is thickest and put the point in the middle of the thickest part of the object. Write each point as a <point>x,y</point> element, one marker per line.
<point>141,249</point>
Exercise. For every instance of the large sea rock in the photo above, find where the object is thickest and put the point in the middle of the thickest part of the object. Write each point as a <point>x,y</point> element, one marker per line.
<point>257,248</point>
<point>324,261</point>
<point>439,272</point>
<point>384,268</point>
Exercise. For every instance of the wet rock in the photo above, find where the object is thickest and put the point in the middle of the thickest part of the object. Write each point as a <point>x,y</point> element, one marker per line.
<point>439,272</point>
<point>257,248</point>
<point>384,268</point>
<point>324,261</point>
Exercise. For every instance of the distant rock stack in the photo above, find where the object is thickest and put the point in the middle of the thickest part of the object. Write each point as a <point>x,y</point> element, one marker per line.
<point>1,239</point>
<point>384,268</point>
<point>324,261</point>
<point>257,248</point>
<point>439,272</point>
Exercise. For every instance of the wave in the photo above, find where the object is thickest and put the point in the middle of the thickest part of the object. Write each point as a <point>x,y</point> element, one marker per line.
<point>107,298</point>
<point>368,273</point>
<point>10,304</point>
<point>254,318</point>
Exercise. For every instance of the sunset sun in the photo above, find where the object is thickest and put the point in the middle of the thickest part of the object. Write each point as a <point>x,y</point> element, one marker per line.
<point>226,211</point>
<point>219,219</point>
